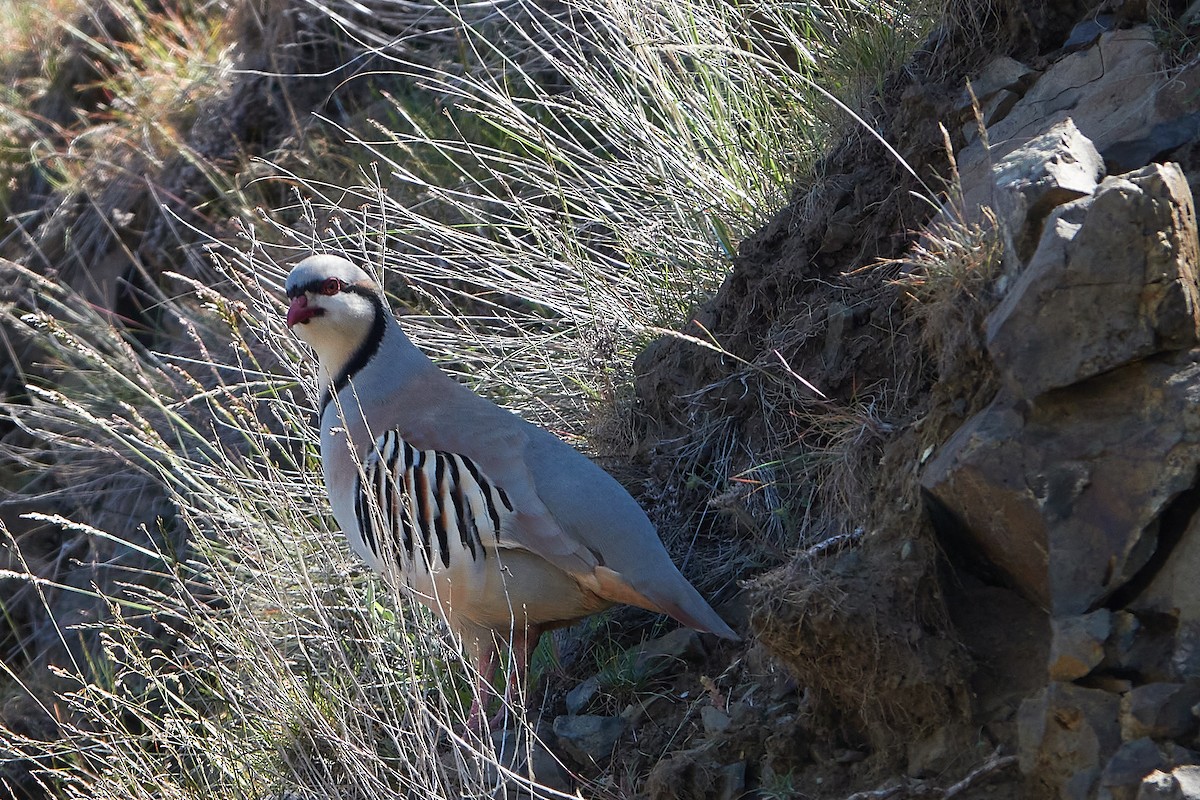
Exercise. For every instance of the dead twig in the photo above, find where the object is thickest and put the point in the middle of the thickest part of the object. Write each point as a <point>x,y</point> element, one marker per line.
<point>913,788</point>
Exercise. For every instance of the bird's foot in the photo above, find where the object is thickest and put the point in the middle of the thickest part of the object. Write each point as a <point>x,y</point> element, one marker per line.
<point>507,714</point>
<point>477,724</point>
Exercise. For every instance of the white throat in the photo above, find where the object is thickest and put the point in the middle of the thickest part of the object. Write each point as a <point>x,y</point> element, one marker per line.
<point>337,334</point>
<point>333,354</point>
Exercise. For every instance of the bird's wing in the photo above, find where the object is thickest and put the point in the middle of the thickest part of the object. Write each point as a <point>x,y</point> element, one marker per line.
<point>597,511</point>
<point>558,504</point>
<point>564,509</point>
<point>489,444</point>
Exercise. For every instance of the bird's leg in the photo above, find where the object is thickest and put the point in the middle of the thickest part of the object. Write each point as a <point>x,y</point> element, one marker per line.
<point>487,658</point>
<point>524,642</point>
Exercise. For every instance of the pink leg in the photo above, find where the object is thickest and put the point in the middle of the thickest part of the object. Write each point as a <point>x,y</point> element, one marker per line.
<point>486,664</point>
<point>524,642</point>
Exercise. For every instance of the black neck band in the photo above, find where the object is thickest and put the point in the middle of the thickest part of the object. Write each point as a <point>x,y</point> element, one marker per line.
<point>366,351</point>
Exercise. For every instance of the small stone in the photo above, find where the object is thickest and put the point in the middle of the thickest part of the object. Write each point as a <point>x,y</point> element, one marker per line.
<point>837,315</point>
<point>681,644</point>
<point>1077,644</point>
<point>1002,74</point>
<point>1088,32</point>
<point>1066,734</point>
<point>1051,170</point>
<point>841,230</point>
<point>930,755</point>
<point>1162,139</point>
<point>731,781</point>
<point>849,756</point>
<point>1110,683</point>
<point>587,738</point>
<point>1159,710</point>
<point>1129,766</point>
<point>1179,756</point>
<point>715,720</point>
<point>578,698</point>
<point>994,109</point>
<point>998,106</point>
<point>1158,785</point>
<point>529,760</point>
<point>1188,778</point>
<point>547,770</point>
<point>1119,648</point>
<point>1185,660</point>
<point>1182,783</point>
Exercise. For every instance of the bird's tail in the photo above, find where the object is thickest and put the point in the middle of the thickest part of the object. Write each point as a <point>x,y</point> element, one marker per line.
<point>696,613</point>
<point>673,596</point>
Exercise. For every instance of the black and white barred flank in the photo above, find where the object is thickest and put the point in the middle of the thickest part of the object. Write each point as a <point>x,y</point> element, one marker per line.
<point>425,498</point>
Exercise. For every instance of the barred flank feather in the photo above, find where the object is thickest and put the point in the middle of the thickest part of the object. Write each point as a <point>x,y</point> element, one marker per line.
<point>438,499</point>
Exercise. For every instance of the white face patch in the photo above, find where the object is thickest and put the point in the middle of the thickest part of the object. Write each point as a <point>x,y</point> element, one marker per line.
<point>338,332</point>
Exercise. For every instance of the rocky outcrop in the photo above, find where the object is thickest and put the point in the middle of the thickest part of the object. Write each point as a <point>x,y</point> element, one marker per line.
<point>1079,479</point>
<point>1114,90</point>
<point>1064,480</point>
<point>1112,281</point>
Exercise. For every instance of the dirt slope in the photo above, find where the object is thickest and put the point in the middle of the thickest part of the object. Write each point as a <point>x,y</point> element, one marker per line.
<point>886,654</point>
<point>913,652</point>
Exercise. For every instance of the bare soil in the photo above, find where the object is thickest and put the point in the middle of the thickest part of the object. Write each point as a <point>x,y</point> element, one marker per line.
<point>895,664</point>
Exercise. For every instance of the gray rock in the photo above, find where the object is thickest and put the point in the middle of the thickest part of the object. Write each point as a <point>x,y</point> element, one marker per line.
<point>1130,765</point>
<point>1066,733</point>
<point>1160,711</point>
<point>1143,649</point>
<point>1120,649</point>
<point>731,781</point>
<point>530,759</point>
<point>587,738</point>
<point>1185,660</point>
<point>582,695</point>
<point>838,315</point>
<point>663,656</point>
<point>1002,74</point>
<point>998,106</point>
<point>1181,783</point>
<point>1188,779</point>
<point>1094,88</point>
<point>680,645</point>
<point>1191,16</point>
<point>1077,644</point>
<point>1062,480</point>
<point>841,230</point>
<point>1179,756</point>
<point>991,111</point>
<point>1088,32</point>
<point>931,755</point>
<point>1159,785</point>
<point>1175,593</point>
<point>1131,251</point>
<point>1159,141</point>
<point>715,720</point>
<point>1065,495</point>
<point>1054,168</point>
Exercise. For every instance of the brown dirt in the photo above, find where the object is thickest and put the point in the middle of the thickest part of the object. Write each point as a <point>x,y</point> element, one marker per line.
<point>883,662</point>
<point>907,670</point>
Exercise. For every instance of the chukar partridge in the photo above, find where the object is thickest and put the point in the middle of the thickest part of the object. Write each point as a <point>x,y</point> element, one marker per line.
<point>499,526</point>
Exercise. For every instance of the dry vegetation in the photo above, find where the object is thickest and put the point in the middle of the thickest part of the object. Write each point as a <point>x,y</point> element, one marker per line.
<point>544,188</point>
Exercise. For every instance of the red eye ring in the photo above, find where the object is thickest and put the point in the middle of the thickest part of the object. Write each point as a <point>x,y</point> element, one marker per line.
<point>330,287</point>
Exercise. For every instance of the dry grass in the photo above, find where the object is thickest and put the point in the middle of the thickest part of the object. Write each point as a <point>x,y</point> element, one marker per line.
<point>865,639</point>
<point>542,208</point>
<point>952,275</point>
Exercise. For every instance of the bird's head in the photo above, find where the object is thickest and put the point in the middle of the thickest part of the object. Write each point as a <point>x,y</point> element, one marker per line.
<point>335,307</point>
